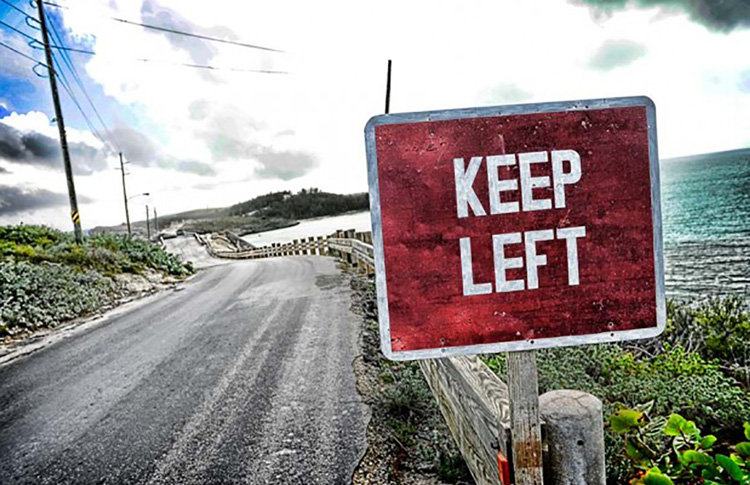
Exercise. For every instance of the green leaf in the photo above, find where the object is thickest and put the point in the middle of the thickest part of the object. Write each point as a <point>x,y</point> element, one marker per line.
<point>710,473</point>
<point>707,442</point>
<point>633,452</point>
<point>625,420</point>
<point>747,430</point>
<point>743,449</point>
<point>689,428</point>
<point>656,477</point>
<point>697,457</point>
<point>674,425</point>
<point>730,467</point>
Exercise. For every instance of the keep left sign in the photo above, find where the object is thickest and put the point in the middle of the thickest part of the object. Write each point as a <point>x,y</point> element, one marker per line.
<point>516,227</point>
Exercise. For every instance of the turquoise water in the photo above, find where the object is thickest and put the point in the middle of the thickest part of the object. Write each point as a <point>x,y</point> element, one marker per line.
<point>706,215</point>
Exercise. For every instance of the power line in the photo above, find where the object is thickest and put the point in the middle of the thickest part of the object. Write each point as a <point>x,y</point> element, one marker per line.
<point>64,81</point>
<point>179,32</point>
<point>179,64</point>
<point>74,72</point>
<point>6,2</point>
<point>22,54</point>
<point>66,85</point>
<point>61,47</point>
<point>8,26</point>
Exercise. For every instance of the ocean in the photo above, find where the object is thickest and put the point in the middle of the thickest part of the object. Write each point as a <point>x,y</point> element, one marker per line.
<point>706,216</point>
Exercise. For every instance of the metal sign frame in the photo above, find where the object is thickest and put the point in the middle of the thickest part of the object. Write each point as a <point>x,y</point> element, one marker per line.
<point>510,110</point>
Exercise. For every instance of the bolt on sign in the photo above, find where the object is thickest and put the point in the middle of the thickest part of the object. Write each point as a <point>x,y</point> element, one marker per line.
<point>516,227</point>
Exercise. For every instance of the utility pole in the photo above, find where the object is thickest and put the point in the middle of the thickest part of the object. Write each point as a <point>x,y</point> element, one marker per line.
<point>148,225</point>
<point>74,215</point>
<point>388,90</point>
<point>156,222</point>
<point>125,194</point>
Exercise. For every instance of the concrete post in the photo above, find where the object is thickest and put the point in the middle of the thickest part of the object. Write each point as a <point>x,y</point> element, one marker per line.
<point>573,438</point>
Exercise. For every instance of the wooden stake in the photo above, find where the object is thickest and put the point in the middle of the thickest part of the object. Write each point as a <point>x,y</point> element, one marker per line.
<point>526,433</point>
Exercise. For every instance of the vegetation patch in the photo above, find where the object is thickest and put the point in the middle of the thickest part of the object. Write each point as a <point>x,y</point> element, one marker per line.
<point>304,204</point>
<point>46,278</point>
<point>686,371</point>
<point>408,440</point>
<point>240,225</point>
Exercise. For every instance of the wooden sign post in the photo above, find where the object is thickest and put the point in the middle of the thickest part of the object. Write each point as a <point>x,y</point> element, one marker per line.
<point>526,430</point>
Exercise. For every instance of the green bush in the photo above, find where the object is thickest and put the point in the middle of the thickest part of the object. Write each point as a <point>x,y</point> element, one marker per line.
<point>715,329</point>
<point>44,295</point>
<point>106,253</point>
<point>679,374</point>
<point>46,279</point>
<point>673,451</point>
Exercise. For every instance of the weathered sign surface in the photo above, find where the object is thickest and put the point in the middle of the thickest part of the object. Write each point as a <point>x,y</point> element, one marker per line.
<point>516,227</point>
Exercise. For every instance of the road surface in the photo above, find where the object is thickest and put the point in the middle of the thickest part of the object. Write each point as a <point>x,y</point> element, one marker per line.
<point>244,376</point>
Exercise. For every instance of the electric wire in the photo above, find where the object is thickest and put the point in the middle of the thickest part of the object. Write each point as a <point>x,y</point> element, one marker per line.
<point>179,32</point>
<point>8,26</point>
<point>178,64</point>
<point>58,45</point>
<point>6,2</point>
<point>74,72</point>
<point>60,75</point>
<point>21,53</point>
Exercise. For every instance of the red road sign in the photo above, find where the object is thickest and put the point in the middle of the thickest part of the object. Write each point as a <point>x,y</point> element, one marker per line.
<point>516,227</point>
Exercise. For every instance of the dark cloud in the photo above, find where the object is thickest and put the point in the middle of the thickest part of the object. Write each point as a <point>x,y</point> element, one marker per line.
<point>201,52</point>
<point>616,53</point>
<point>4,170</point>
<point>14,199</point>
<point>718,15</point>
<point>283,164</point>
<point>198,168</point>
<point>34,148</point>
<point>508,93</point>
<point>137,148</point>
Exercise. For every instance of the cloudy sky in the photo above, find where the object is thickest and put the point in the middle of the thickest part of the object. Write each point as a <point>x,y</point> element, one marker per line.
<point>200,138</point>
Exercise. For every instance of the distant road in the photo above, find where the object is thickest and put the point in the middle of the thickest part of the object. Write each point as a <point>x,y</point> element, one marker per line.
<point>244,376</point>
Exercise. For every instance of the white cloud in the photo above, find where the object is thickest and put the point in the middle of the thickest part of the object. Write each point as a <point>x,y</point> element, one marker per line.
<point>446,55</point>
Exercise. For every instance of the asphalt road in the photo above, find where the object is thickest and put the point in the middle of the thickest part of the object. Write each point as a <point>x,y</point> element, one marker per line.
<point>244,376</point>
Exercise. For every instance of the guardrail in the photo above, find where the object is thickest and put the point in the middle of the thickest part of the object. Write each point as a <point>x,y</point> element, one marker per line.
<point>474,401</point>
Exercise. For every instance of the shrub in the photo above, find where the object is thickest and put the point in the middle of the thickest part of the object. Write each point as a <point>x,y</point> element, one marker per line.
<point>106,253</point>
<point>43,295</point>
<point>679,373</point>
<point>674,452</point>
<point>715,329</point>
<point>46,279</point>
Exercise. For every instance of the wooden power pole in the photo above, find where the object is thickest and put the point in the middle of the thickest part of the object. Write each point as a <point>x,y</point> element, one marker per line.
<point>388,90</point>
<point>148,226</point>
<point>125,195</point>
<point>74,215</point>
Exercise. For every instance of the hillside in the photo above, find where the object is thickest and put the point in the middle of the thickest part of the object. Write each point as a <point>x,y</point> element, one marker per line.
<point>263,213</point>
